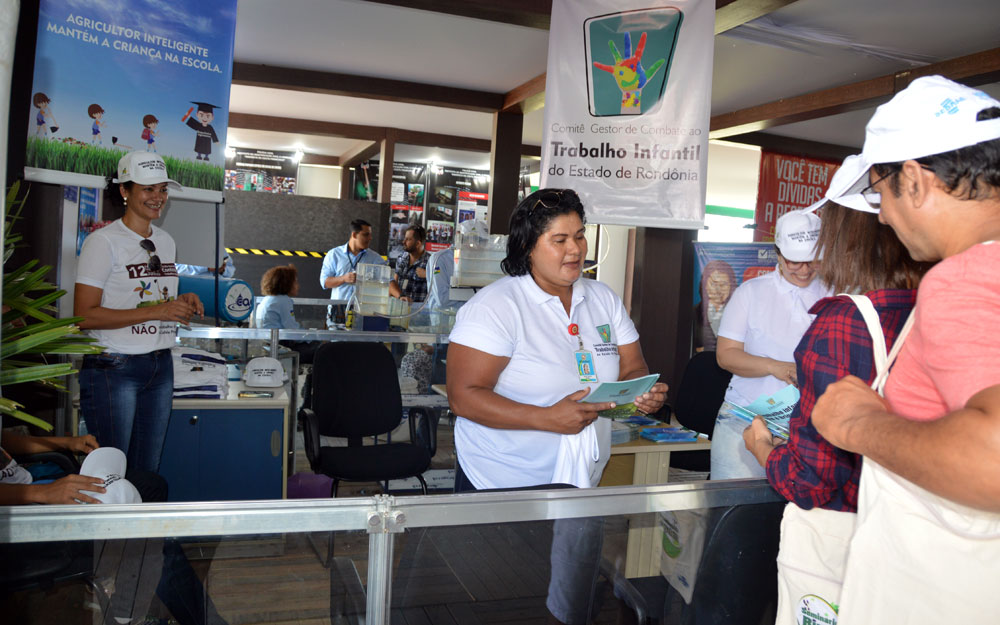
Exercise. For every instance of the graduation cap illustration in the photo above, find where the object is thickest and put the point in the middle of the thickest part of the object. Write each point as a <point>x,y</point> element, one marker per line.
<point>202,107</point>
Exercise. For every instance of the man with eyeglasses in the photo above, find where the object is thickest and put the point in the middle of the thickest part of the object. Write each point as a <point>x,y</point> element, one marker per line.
<point>340,268</point>
<point>927,543</point>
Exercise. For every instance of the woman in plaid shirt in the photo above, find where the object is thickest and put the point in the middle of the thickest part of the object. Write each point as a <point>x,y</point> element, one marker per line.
<point>859,255</point>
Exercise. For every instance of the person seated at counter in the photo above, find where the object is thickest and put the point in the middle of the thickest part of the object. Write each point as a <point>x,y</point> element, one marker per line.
<point>179,588</point>
<point>277,311</point>
<point>516,376</point>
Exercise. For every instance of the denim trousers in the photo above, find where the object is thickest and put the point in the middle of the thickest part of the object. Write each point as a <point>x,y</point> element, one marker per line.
<point>125,400</point>
<point>730,459</point>
<point>575,559</point>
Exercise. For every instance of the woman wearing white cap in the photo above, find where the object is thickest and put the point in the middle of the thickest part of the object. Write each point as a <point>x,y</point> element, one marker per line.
<point>126,292</point>
<point>761,325</point>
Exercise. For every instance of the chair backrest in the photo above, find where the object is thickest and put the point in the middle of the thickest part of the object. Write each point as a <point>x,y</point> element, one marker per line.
<point>355,390</point>
<point>738,571</point>
<point>701,392</point>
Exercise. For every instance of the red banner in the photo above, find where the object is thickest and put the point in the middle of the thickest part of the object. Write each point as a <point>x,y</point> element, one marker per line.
<point>788,183</point>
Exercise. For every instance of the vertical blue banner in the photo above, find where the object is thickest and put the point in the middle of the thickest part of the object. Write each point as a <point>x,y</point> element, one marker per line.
<point>115,77</point>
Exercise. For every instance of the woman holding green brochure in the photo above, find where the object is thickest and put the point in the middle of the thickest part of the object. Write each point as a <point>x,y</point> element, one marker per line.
<point>524,351</point>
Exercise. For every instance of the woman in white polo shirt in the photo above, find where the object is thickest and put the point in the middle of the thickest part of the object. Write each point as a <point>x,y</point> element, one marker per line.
<point>761,326</point>
<point>126,292</point>
<point>523,352</point>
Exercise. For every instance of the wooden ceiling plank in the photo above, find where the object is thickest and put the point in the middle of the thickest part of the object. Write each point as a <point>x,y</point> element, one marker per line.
<point>368,87</point>
<point>530,13</point>
<point>973,69</point>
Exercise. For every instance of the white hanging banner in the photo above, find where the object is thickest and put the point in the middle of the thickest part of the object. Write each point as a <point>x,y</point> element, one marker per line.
<point>627,108</point>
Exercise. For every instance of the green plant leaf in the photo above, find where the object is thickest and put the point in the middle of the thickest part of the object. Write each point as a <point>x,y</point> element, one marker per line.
<point>20,375</point>
<point>7,407</point>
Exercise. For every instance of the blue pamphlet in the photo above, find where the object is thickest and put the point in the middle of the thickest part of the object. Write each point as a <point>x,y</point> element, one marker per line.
<point>775,409</point>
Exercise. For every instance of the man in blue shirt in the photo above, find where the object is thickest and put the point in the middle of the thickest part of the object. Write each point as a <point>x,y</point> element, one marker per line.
<point>340,265</point>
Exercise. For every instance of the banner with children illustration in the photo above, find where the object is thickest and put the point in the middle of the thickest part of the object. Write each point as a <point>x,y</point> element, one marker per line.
<point>110,78</point>
<point>627,108</point>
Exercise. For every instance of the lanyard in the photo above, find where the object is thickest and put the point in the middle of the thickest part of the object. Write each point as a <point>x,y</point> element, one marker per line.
<point>357,260</point>
<point>584,359</point>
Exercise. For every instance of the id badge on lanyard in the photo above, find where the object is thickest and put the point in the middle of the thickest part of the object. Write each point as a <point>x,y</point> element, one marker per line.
<point>583,358</point>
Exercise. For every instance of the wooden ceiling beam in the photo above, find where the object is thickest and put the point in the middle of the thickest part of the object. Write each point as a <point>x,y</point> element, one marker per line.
<point>320,159</point>
<point>368,87</point>
<point>732,13</point>
<point>360,154</point>
<point>305,126</point>
<point>795,147</point>
<point>375,134</point>
<point>973,69</point>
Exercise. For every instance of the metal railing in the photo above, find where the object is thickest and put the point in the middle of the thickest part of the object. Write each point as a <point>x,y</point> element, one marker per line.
<point>381,516</point>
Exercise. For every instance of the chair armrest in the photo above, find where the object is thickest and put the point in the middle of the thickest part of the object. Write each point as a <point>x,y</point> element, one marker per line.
<point>310,435</point>
<point>432,427</point>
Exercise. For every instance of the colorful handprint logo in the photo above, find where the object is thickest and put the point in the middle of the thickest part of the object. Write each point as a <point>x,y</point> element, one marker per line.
<point>618,88</point>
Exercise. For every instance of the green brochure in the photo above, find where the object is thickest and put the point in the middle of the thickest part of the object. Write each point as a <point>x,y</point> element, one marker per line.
<point>622,393</point>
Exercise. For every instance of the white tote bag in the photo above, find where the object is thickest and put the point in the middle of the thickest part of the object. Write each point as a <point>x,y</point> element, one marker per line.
<point>812,554</point>
<point>918,558</point>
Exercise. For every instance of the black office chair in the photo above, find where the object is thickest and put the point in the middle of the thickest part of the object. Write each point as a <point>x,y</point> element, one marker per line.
<point>699,397</point>
<point>737,579</point>
<point>356,394</point>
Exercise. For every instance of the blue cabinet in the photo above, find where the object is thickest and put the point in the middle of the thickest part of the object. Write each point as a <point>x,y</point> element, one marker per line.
<point>229,450</point>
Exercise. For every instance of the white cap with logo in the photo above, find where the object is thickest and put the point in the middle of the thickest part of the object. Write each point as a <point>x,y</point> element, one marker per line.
<point>108,464</point>
<point>931,116</point>
<point>144,168</point>
<point>796,234</point>
<point>265,372</point>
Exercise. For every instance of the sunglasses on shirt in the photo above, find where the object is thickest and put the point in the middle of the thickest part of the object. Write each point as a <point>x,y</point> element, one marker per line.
<point>154,265</point>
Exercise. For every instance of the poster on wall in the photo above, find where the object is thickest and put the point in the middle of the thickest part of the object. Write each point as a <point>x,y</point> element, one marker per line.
<point>456,195</point>
<point>627,107</point>
<point>110,78</point>
<point>719,269</point>
<point>267,171</point>
<point>787,183</point>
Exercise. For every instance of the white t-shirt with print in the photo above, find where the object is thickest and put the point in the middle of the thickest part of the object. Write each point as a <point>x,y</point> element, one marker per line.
<point>514,318</point>
<point>113,260</point>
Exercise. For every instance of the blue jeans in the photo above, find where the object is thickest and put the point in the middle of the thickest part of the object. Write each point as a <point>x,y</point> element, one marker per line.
<point>126,400</point>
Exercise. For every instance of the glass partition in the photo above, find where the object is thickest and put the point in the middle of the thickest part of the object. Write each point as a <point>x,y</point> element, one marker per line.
<point>500,557</point>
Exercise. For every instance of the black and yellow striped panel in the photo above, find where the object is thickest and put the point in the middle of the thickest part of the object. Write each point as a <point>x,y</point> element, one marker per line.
<point>256,252</point>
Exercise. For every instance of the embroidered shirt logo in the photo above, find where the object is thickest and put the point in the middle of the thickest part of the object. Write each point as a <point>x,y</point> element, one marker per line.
<point>605,332</point>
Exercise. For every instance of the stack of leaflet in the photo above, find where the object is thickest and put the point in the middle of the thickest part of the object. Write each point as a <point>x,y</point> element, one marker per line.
<point>627,430</point>
<point>199,374</point>
<point>670,435</point>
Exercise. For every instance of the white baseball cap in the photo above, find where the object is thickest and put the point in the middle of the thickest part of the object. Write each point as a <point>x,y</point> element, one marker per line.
<point>144,168</point>
<point>931,116</point>
<point>108,464</point>
<point>795,234</point>
<point>265,372</point>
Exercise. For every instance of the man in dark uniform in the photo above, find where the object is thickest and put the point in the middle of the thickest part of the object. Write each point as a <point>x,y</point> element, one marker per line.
<point>201,124</point>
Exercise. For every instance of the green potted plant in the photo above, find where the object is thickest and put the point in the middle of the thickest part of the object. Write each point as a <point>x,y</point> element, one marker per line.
<point>30,328</point>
